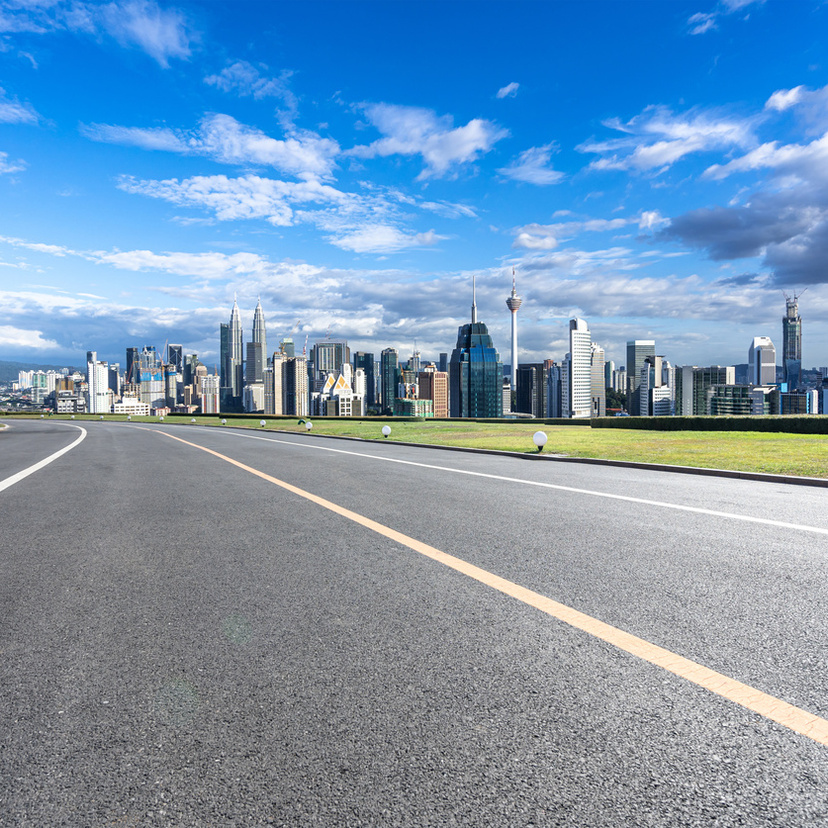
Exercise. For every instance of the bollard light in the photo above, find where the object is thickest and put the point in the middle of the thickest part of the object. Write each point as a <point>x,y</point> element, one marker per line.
<point>161,419</point>
<point>262,423</point>
<point>193,420</point>
<point>101,416</point>
<point>539,439</point>
<point>308,425</point>
<point>42,416</point>
<point>386,430</point>
<point>224,422</point>
<point>73,417</point>
<point>129,416</point>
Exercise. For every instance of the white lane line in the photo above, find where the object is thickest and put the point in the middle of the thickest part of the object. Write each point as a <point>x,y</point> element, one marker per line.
<point>626,498</point>
<point>21,475</point>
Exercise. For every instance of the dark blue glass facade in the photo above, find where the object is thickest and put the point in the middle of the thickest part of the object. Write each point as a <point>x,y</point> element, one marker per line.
<point>475,374</point>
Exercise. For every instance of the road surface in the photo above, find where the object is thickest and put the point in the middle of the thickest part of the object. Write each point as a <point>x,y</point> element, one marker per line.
<point>289,630</point>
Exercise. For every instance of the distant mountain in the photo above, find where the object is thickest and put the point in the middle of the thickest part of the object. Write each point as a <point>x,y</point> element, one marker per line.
<point>10,370</point>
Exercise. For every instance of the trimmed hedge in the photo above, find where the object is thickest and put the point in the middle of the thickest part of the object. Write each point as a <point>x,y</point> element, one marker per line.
<point>789,424</point>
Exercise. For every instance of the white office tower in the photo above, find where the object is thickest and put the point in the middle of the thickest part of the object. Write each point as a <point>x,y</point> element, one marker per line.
<point>513,303</point>
<point>209,396</point>
<point>578,399</point>
<point>762,361</point>
<point>598,393</point>
<point>274,386</point>
<point>97,380</point>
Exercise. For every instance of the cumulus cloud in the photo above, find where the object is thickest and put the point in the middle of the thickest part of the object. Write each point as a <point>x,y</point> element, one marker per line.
<point>548,236</point>
<point>11,337</point>
<point>508,91</point>
<point>162,33</point>
<point>381,238</point>
<point>534,166</point>
<point>414,131</point>
<point>223,138</point>
<point>658,138</point>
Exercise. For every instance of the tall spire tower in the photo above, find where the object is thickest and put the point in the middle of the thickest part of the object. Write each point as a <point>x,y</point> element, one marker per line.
<point>259,333</point>
<point>513,303</point>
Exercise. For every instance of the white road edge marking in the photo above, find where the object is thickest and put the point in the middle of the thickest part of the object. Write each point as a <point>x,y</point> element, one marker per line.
<point>629,499</point>
<point>21,475</point>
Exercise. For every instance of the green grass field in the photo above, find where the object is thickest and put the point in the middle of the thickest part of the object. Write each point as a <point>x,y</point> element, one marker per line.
<point>795,454</point>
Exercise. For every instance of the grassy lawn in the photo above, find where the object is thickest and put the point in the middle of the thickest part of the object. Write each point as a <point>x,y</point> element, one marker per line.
<point>797,454</point>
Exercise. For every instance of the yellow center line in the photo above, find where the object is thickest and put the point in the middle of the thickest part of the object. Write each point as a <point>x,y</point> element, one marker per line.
<point>777,710</point>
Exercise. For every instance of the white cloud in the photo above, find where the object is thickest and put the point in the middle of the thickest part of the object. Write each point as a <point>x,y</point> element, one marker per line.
<point>380,238</point>
<point>415,131</point>
<point>11,337</point>
<point>808,162</point>
<point>248,197</point>
<point>651,220</point>
<point>548,236</point>
<point>784,99</point>
<point>245,80</point>
<point>508,91</point>
<point>14,112</point>
<point>657,139</point>
<point>534,167</point>
<point>157,138</point>
<point>163,34</point>
<point>7,166</point>
<point>700,23</point>
<point>223,138</point>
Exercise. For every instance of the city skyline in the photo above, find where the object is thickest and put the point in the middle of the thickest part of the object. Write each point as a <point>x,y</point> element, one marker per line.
<point>653,168</point>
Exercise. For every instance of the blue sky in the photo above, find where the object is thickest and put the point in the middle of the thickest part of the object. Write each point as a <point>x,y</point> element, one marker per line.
<point>658,168</point>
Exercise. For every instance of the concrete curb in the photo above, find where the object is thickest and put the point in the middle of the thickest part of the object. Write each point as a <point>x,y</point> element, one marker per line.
<point>626,464</point>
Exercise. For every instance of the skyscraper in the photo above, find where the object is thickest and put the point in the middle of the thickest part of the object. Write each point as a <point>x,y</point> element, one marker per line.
<point>577,400</point>
<point>475,371</point>
<point>232,362</point>
<point>175,357</point>
<point>513,303</point>
<point>532,389</point>
<point>390,373</point>
<point>761,361</point>
<point>364,360</point>
<point>792,343</point>
<point>637,352</point>
<point>329,356</point>
<point>259,331</point>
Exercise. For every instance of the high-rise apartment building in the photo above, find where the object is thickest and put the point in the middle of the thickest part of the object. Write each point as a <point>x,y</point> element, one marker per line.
<point>577,382</point>
<point>637,352</point>
<point>761,361</point>
<point>475,372</point>
<point>433,386</point>
<point>599,384</point>
<point>97,380</point>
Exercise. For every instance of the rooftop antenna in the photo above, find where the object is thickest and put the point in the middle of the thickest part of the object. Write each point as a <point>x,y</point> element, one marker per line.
<point>474,300</point>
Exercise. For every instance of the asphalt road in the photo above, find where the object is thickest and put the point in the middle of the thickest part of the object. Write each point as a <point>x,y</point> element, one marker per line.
<point>185,643</point>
